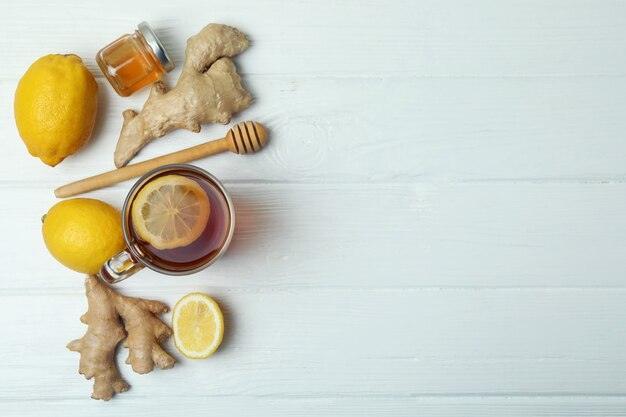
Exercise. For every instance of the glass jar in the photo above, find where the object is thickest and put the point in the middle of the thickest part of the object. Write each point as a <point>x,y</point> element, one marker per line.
<point>134,61</point>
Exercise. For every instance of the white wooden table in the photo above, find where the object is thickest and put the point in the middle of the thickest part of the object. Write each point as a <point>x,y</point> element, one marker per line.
<point>437,227</point>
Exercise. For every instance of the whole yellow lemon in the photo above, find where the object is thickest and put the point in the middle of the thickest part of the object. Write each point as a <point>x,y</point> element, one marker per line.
<point>55,107</point>
<point>82,233</point>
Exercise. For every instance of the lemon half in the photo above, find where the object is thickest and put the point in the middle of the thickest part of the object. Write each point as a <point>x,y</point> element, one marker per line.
<point>171,212</point>
<point>198,325</point>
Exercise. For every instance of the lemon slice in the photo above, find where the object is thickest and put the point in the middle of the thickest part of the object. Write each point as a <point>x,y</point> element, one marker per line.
<point>170,212</point>
<point>198,325</point>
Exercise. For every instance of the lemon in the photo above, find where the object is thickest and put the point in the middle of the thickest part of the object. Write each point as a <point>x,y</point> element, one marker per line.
<point>198,325</point>
<point>55,107</point>
<point>82,233</point>
<point>170,212</point>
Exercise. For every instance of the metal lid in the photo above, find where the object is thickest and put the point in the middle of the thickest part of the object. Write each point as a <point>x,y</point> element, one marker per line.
<point>155,44</point>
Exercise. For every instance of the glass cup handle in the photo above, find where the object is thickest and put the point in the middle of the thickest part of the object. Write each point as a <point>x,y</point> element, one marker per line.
<point>119,267</point>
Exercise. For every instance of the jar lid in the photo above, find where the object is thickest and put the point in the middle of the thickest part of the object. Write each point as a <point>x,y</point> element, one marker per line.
<point>155,44</point>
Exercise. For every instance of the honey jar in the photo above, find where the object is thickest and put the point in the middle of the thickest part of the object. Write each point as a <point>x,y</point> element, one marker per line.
<point>134,61</point>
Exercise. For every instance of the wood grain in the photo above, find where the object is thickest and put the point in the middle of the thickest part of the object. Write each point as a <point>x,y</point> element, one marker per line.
<point>436,227</point>
<point>333,343</point>
<point>336,406</point>
<point>426,38</point>
<point>444,235</point>
<point>384,130</point>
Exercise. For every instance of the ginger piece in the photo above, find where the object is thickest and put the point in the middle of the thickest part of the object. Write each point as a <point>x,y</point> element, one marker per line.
<point>208,90</point>
<point>97,346</point>
<point>110,318</point>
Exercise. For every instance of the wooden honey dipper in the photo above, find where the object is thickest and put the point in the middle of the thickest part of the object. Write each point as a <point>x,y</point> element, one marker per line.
<point>243,138</point>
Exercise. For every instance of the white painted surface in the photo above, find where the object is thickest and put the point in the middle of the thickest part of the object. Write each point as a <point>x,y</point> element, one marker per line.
<point>437,227</point>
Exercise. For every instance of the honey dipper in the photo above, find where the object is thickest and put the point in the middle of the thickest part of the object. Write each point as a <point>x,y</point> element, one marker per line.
<point>244,137</point>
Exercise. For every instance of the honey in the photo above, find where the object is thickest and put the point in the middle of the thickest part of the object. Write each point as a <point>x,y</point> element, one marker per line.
<point>134,61</point>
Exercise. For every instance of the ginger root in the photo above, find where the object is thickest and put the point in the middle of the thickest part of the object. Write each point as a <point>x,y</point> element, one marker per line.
<point>208,90</point>
<point>110,318</point>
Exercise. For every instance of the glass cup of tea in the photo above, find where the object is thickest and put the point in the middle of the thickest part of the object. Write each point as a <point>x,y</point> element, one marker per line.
<point>184,260</point>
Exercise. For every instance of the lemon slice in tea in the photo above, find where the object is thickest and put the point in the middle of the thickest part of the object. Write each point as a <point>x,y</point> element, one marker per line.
<point>171,212</point>
<point>198,325</point>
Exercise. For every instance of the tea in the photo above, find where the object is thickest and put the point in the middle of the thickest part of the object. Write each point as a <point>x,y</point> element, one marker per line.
<point>203,249</point>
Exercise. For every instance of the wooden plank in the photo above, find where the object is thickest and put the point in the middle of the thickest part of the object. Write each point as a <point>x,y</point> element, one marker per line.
<point>425,38</point>
<point>384,130</point>
<point>336,406</point>
<point>375,236</point>
<point>356,343</point>
<point>431,162</point>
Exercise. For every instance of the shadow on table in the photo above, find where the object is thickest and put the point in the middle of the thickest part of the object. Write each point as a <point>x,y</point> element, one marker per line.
<point>252,224</point>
